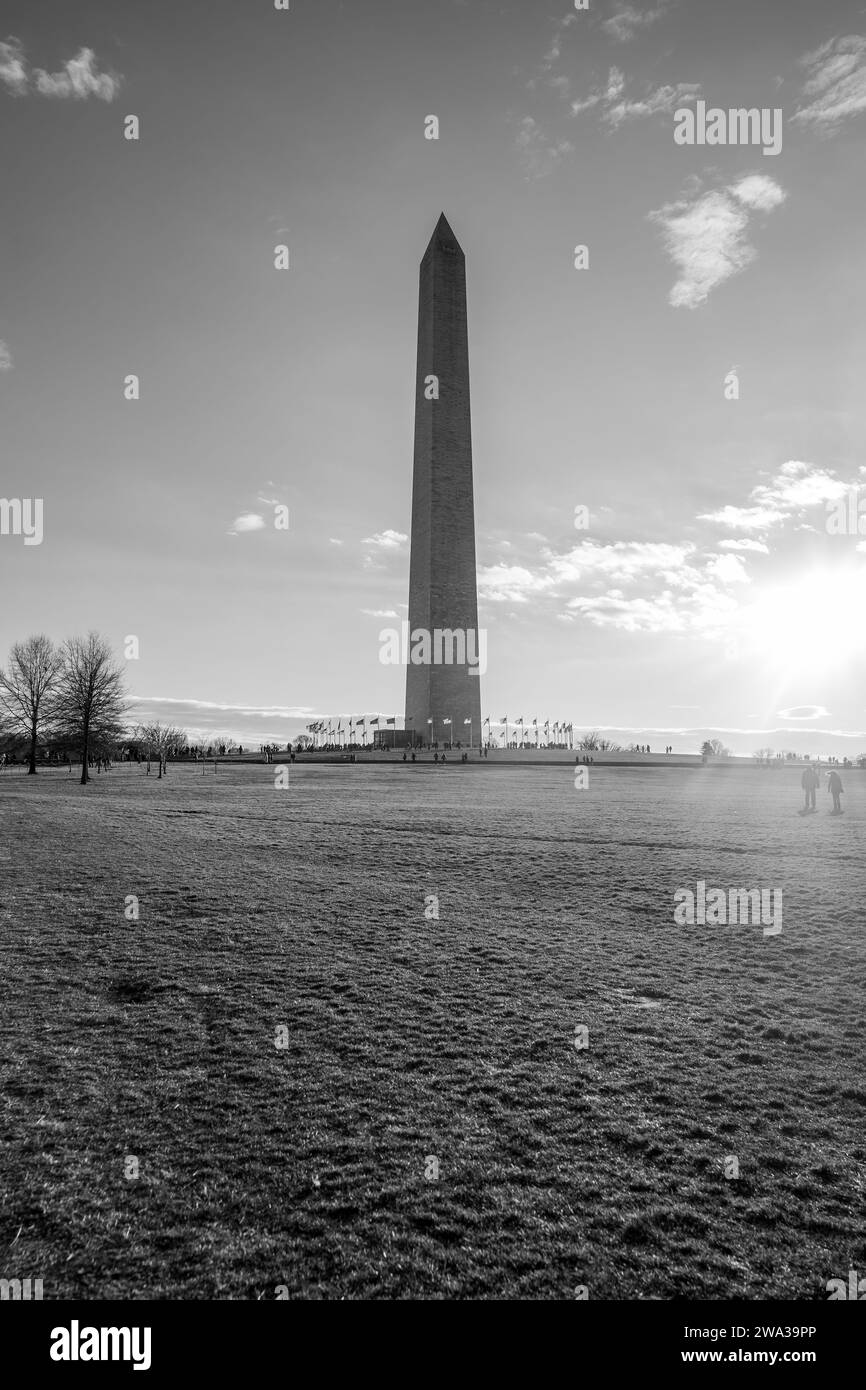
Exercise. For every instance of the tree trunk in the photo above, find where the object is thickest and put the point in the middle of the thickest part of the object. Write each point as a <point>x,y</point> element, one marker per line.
<point>31,771</point>
<point>84,777</point>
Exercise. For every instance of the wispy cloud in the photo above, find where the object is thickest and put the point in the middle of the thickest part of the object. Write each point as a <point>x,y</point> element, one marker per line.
<point>247,521</point>
<point>379,612</point>
<point>705,235</point>
<point>628,20</point>
<point>5,357</point>
<point>539,153</point>
<point>757,547</point>
<point>794,489</point>
<point>835,85</point>
<point>211,719</point>
<point>264,711</point>
<point>78,78</point>
<point>616,108</point>
<point>554,52</point>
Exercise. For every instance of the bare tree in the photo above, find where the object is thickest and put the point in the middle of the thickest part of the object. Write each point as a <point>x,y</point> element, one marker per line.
<point>90,700</point>
<point>26,687</point>
<point>594,743</point>
<point>164,739</point>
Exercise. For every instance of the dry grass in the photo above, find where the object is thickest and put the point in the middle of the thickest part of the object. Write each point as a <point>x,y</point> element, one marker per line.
<point>411,1037</point>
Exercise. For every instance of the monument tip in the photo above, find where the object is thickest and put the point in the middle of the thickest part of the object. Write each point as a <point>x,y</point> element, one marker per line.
<point>443,235</point>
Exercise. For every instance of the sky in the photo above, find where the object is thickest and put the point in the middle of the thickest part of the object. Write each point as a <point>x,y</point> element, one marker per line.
<point>696,387</point>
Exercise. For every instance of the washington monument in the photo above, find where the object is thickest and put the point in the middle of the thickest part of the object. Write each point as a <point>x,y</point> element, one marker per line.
<point>444,684</point>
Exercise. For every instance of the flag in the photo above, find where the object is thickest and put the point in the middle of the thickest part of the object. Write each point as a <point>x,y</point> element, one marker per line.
<point>446,721</point>
<point>487,720</point>
<point>467,721</point>
<point>504,719</point>
<point>535,723</point>
<point>389,721</point>
<point>429,721</point>
<point>520,720</point>
<point>375,721</point>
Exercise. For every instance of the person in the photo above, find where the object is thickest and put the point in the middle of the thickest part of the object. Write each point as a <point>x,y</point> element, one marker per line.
<point>413,755</point>
<point>809,783</point>
<point>834,786</point>
<point>436,757</point>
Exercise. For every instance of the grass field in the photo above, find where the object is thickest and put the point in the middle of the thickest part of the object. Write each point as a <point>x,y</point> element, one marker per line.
<point>410,1038</point>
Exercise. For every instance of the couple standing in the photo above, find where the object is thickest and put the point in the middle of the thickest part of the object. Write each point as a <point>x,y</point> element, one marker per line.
<point>811,780</point>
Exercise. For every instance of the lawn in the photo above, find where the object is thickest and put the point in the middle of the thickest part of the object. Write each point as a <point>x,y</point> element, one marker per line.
<point>416,1044</point>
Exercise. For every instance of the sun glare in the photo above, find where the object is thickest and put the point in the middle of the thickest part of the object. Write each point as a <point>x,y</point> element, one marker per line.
<point>818,618</point>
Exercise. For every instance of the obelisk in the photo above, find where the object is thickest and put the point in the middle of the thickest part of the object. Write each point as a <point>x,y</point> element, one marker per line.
<point>443,592</point>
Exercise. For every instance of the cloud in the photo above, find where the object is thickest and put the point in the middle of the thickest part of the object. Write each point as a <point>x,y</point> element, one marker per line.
<point>745,518</point>
<point>379,612</point>
<point>626,20</point>
<point>510,583</point>
<point>209,718</point>
<point>387,540</point>
<point>729,569</point>
<point>265,711</point>
<point>5,357</point>
<point>539,154</point>
<point>247,521</point>
<point>757,546</point>
<point>553,53</point>
<point>13,69</point>
<point>795,488</point>
<point>835,83</point>
<point>758,192</point>
<point>78,78</point>
<point>616,108</point>
<point>332,540</point>
<point>632,586</point>
<point>664,100</point>
<point>804,712</point>
<point>705,235</point>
